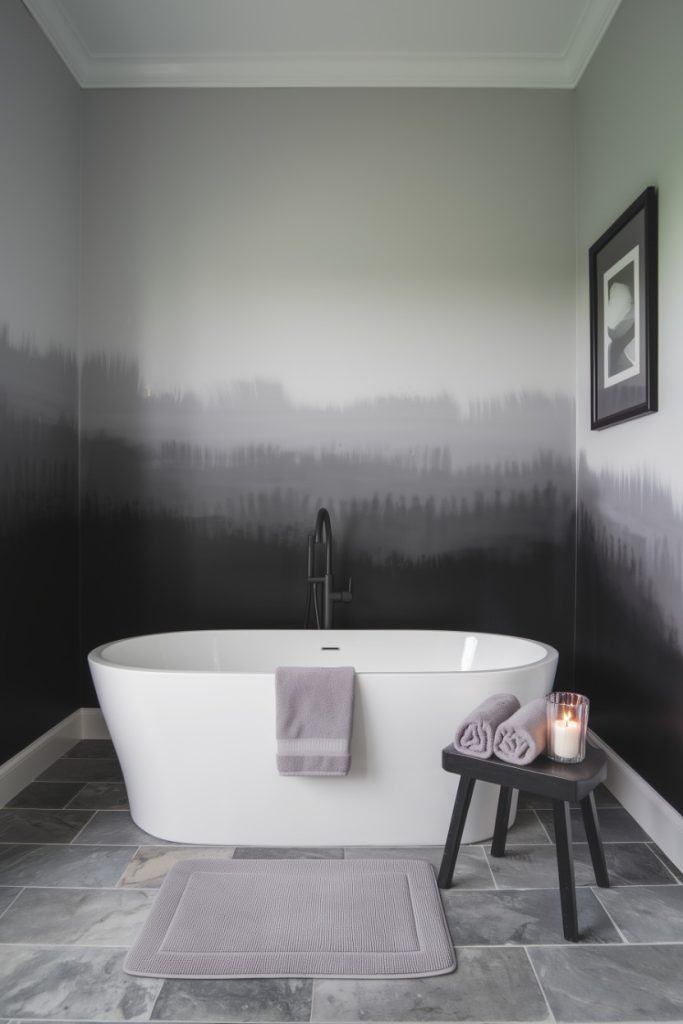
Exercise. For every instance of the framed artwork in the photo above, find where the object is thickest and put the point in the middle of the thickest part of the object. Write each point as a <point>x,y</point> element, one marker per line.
<point>622,267</point>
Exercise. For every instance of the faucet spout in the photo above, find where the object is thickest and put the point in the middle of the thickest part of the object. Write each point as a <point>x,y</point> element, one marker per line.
<point>322,535</point>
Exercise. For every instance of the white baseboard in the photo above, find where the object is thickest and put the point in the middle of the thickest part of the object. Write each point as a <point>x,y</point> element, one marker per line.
<point>661,821</point>
<point>25,766</point>
<point>93,725</point>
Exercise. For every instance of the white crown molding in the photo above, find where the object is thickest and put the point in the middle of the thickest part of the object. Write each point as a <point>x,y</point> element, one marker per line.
<point>586,39</point>
<point>438,70</point>
<point>327,71</point>
<point>53,21</point>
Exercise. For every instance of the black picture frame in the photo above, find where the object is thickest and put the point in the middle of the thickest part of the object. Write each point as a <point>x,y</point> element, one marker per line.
<point>622,269</point>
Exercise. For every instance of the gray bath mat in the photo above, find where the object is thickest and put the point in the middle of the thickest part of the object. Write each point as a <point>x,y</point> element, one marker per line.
<point>295,918</point>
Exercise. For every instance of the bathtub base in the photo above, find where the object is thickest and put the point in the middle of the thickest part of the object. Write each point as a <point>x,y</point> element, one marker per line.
<point>479,828</point>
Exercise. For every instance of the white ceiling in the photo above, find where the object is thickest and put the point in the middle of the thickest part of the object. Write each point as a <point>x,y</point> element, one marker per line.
<point>442,43</point>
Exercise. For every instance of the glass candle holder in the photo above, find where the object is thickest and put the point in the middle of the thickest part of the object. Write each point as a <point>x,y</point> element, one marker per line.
<point>566,722</point>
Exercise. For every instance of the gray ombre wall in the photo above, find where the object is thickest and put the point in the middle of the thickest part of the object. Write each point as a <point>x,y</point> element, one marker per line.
<point>630,570</point>
<point>363,298</point>
<point>39,270</point>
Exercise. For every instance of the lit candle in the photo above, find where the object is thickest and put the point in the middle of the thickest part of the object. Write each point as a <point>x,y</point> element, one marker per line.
<point>566,737</point>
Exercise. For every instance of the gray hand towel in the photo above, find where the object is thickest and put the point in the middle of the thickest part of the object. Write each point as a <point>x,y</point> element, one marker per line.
<point>475,733</point>
<point>522,738</point>
<point>314,714</point>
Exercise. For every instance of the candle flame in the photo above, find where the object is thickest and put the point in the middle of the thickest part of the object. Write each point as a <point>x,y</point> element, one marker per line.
<point>567,718</point>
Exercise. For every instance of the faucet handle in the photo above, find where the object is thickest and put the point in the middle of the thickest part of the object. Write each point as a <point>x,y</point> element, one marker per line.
<point>348,594</point>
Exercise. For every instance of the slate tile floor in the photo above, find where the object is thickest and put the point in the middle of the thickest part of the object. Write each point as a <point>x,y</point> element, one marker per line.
<point>77,879</point>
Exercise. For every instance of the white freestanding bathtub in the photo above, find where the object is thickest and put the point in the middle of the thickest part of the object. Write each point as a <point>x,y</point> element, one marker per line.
<point>192,717</point>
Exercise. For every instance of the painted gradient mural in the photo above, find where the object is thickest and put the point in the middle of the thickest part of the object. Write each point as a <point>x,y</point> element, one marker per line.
<point>629,654</point>
<point>349,298</point>
<point>204,522</point>
<point>630,583</point>
<point>39,244</point>
<point>38,539</point>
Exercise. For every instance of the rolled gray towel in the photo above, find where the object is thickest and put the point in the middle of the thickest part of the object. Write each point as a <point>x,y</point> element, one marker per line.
<point>522,738</point>
<point>475,733</point>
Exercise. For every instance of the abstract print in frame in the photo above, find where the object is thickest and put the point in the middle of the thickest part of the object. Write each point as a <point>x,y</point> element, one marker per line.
<point>623,312</point>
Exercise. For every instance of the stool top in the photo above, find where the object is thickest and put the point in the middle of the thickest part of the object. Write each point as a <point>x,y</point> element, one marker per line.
<point>554,779</point>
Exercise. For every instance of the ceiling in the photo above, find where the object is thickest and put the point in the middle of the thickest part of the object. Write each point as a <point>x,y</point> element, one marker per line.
<point>441,43</point>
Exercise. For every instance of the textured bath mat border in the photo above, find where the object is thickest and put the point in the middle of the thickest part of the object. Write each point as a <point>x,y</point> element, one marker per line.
<point>295,918</point>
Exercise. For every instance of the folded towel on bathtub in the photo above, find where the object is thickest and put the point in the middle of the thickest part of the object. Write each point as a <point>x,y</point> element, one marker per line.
<point>313,712</point>
<point>475,733</point>
<point>522,738</point>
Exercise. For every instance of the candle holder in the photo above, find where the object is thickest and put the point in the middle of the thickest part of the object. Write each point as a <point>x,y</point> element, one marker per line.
<point>567,721</point>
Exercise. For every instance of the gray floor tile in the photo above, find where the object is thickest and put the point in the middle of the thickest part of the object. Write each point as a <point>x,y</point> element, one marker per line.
<point>471,869</point>
<point>85,917</point>
<point>287,852</point>
<point>527,829</point>
<point>46,794</point>
<point>532,867</point>
<point>649,913</point>
<point>7,895</point>
<point>488,985</point>
<point>80,769</point>
<point>100,796</point>
<point>72,984</point>
<point>535,867</point>
<point>92,748</point>
<point>151,864</point>
<point>494,981</point>
<point>616,826</point>
<point>81,866</point>
<point>676,872</point>
<point>249,999</point>
<point>612,983</point>
<point>34,826</point>
<point>431,853</point>
<point>523,916</point>
<point>116,828</point>
<point>632,864</point>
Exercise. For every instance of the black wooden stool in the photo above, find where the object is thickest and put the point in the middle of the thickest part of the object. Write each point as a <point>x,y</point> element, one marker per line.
<point>563,783</point>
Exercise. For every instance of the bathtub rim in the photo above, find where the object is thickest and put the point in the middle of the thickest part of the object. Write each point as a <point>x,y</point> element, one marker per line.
<point>95,656</point>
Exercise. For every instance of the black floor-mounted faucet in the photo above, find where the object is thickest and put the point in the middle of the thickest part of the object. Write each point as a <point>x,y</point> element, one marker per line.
<point>322,534</point>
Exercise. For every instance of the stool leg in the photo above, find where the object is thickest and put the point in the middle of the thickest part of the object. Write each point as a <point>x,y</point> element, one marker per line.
<point>460,809</point>
<point>565,869</point>
<point>502,817</point>
<point>590,822</point>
